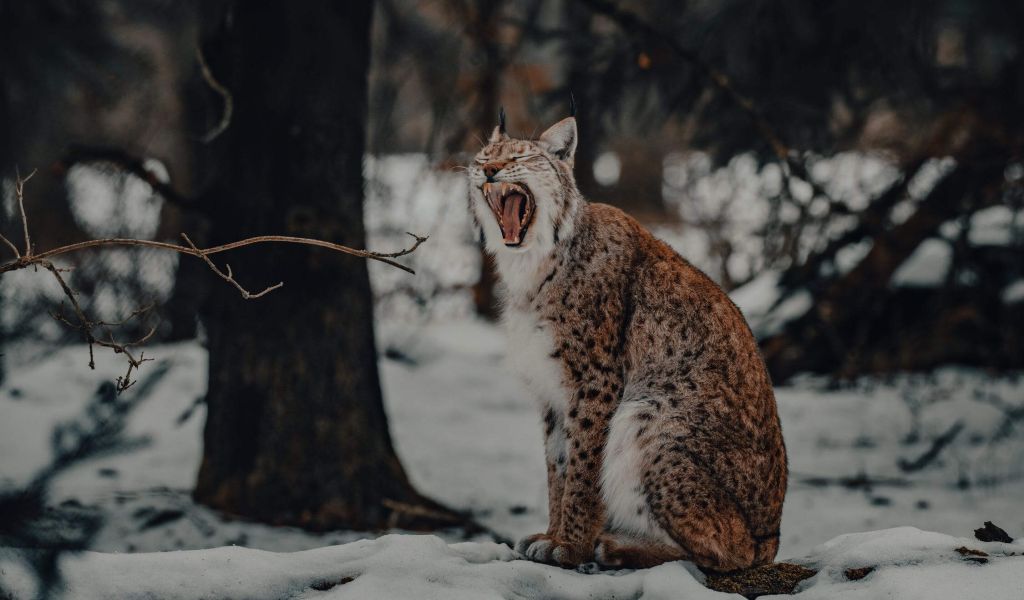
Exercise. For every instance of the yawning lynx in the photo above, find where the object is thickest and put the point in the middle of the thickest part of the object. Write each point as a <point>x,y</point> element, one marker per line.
<point>662,437</point>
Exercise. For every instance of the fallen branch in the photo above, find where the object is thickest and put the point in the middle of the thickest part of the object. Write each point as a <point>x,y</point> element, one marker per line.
<point>940,442</point>
<point>860,481</point>
<point>427,515</point>
<point>1012,414</point>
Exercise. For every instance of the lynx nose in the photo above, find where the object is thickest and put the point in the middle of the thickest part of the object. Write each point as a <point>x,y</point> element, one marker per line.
<point>491,169</point>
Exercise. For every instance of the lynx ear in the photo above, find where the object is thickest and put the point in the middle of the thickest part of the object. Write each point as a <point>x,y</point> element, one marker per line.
<point>497,135</point>
<point>560,139</point>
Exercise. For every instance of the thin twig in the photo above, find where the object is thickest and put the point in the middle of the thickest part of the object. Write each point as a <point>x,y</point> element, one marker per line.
<point>86,327</point>
<point>17,254</point>
<point>229,277</point>
<point>229,102</point>
<point>19,191</point>
<point>86,331</point>
<point>135,313</point>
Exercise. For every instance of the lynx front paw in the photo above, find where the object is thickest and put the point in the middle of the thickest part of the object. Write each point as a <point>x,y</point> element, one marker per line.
<point>605,555</point>
<point>541,547</point>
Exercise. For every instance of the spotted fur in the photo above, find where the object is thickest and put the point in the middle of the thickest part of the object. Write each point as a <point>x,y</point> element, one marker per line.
<point>662,436</point>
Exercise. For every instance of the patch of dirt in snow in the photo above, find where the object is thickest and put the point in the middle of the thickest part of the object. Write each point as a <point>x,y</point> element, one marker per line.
<point>778,578</point>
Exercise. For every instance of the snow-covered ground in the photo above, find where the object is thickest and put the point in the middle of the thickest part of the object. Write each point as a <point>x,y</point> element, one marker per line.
<point>471,437</point>
<point>904,563</point>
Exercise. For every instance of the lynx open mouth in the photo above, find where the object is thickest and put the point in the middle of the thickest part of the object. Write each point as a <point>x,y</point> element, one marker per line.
<point>513,206</point>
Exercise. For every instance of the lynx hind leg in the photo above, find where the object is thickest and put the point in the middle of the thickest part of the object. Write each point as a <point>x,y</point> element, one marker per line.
<point>701,516</point>
<point>656,493</point>
<point>634,538</point>
<point>622,551</point>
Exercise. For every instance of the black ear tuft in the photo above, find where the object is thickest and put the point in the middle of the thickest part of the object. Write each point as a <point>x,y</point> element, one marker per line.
<point>501,119</point>
<point>572,105</point>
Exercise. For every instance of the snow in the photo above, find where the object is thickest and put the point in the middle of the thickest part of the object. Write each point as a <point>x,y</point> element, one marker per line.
<point>391,567</point>
<point>1014,292</point>
<point>724,210</point>
<point>607,168</point>
<point>907,563</point>
<point>911,563</point>
<point>110,205</point>
<point>471,437</point>
<point>405,193</point>
<point>927,266</point>
<point>758,296</point>
<point>995,226</point>
<point>762,304</point>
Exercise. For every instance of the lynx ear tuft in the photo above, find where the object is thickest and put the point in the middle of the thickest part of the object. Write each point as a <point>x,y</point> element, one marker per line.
<point>560,139</point>
<point>499,132</point>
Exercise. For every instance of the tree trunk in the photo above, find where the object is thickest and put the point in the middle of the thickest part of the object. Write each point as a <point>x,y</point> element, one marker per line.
<point>296,432</point>
<point>485,298</point>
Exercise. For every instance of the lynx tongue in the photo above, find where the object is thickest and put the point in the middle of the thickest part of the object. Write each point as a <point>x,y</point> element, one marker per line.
<point>511,218</point>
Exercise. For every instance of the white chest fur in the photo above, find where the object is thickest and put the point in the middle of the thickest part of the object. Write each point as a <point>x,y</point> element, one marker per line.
<point>530,348</point>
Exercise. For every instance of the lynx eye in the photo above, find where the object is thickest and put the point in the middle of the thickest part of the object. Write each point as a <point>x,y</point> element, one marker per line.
<point>522,156</point>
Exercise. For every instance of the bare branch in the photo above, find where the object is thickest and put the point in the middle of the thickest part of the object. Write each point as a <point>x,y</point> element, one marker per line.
<point>229,102</point>
<point>384,257</point>
<point>87,326</point>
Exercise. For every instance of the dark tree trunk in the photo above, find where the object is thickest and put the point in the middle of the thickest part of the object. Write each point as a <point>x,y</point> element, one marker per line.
<point>638,190</point>
<point>581,83</point>
<point>191,282</point>
<point>492,68</point>
<point>296,431</point>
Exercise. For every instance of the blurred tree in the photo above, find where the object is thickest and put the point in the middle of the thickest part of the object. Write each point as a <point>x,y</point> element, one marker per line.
<point>83,85</point>
<point>296,431</point>
<point>792,82</point>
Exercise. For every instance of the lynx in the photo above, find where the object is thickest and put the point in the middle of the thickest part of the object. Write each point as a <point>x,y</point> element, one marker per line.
<point>662,438</point>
